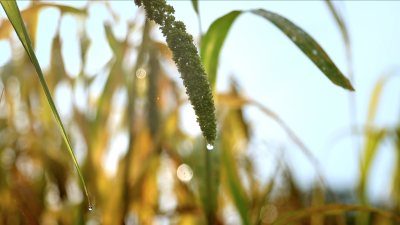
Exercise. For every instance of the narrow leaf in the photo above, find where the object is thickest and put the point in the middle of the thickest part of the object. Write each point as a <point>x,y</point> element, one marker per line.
<point>233,183</point>
<point>372,142</point>
<point>376,94</point>
<point>212,44</point>
<point>309,46</point>
<point>14,15</point>
<point>195,4</point>
<point>339,21</point>
<point>216,34</point>
<point>396,178</point>
<point>207,170</point>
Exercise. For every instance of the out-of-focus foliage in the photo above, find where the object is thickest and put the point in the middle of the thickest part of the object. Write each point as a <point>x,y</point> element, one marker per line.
<point>15,18</point>
<point>39,185</point>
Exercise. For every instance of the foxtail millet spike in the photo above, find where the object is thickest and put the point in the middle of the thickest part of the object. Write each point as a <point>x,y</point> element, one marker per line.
<point>188,61</point>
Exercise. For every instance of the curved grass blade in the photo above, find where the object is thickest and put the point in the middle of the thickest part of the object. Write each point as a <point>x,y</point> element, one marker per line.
<point>343,28</point>
<point>195,4</point>
<point>309,46</point>
<point>14,15</point>
<point>345,34</point>
<point>373,137</point>
<point>233,184</point>
<point>237,102</point>
<point>2,92</point>
<point>342,25</point>
<point>376,94</point>
<point>216,34</point>
<point>372,142</point>
<point>212,44</point>
<point>333,209</point>
<point>352,99</point>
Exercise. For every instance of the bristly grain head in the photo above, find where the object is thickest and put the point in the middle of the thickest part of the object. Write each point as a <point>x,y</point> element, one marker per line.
<point>188,61</point>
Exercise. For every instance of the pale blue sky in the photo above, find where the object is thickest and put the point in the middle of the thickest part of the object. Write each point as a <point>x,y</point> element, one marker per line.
<point>273,71</point>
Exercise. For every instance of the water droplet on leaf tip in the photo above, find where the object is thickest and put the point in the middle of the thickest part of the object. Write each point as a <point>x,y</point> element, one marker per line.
<point>294,38</point>
<point>314,52</point>
<point>210,146</point>
<point>90,208</point>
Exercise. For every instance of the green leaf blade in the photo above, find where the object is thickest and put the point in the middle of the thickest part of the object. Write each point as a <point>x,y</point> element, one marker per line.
<point>233,184</point>
<point>212,44</point>
<point>14,15</point>
<point>309,46</point>
<point>195,4</point>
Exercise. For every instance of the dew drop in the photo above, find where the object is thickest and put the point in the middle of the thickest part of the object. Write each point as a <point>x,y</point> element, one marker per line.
<point>210,146</point>
<point>323,68</point>
<point>294,38</point>
<point>141,73</point>
<point>90,208</point>
<point>184,173</point>
<point>314,52</point>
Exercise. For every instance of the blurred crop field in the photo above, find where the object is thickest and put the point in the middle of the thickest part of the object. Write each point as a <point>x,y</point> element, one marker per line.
<point>137,143</point>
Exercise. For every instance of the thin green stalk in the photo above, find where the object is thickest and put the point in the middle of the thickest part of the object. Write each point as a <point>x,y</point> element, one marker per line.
<point>352,99</point>
<point>208,167</point>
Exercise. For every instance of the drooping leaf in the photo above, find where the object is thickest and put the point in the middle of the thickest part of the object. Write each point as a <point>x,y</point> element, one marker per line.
<point>63,8</point>
<point>237,101</point>
<point>14,15</point>
<point>216,34</point>
<point>309,46</point>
